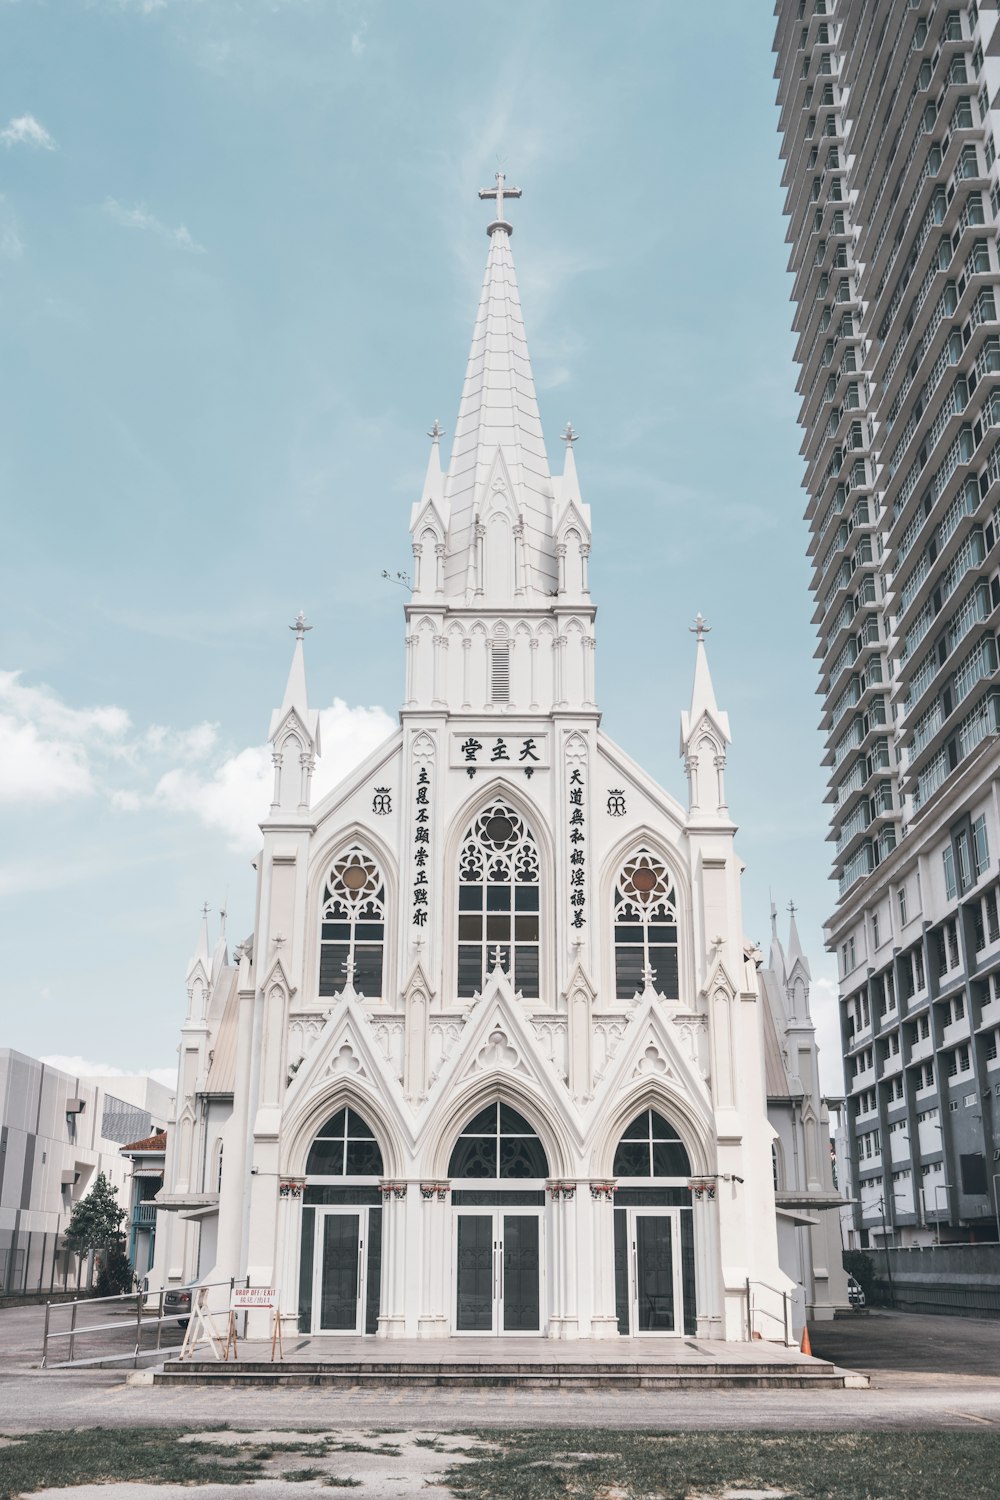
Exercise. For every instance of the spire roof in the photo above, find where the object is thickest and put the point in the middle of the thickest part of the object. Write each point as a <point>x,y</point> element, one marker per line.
<point>776,960</point>
<point>296,699</point>
<point>499,449</point>
<point>795,953</point>
<point>703,704</point>
<point>202,954</point>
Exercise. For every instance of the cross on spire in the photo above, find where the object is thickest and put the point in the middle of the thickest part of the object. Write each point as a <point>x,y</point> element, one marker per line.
<point>499,192</point>
<point>300,627</point>
<point>568,435</point>
<point>701,627</point>
<point>791,908</point>
<point>437,431</point>
<point>205,909</point>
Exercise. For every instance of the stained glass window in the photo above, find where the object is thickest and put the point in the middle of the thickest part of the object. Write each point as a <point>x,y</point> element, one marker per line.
<point>645,922</point>
<point>498,1143</point>
<point>353,926</point>
<point>498,902</point>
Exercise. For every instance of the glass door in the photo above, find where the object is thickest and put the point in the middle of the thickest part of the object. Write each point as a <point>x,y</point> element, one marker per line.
<point>655,1271</point>
<point>339,1286</point>
<point>498,1272</point>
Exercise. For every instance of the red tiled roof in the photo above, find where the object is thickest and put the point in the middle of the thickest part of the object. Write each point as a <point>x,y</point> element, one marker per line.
<point>151,1143</point>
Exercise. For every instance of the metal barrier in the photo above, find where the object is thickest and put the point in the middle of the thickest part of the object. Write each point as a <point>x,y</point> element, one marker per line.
<point>135,1306</point>
<point>783,1321</point>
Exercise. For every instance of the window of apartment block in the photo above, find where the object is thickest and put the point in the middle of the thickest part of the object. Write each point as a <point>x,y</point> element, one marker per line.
<point>950,883</point>
<point>963,860</point>
<point>901,903</point>
<point>980,846</point>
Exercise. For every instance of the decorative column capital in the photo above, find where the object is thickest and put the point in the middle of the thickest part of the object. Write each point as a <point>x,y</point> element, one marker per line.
<point>430,1191</point>
<point>602,1192</point>
<point>566,1191</point>
<point>291,1187</point>
<point>392,1190</point>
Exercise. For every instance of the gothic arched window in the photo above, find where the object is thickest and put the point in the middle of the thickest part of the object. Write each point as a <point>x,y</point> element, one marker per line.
<point>498,1143</point>
<point>498,902</point>
<point>353,926</point>
<point>651,1147</point>
<point>645,927</point>
<point>344,1147</point>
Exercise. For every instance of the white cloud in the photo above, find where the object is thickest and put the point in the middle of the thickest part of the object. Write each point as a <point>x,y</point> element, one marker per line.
<point>139,217</point>
<point>84,1067</point>
<point>25,130</point>
<point>46,747</point>
<point>237,795</point>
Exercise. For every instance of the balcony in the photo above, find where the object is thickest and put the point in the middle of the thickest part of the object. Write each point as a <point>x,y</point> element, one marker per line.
<point>144,1215</point>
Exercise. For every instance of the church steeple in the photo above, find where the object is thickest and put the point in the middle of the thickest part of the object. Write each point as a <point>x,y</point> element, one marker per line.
<point>294,733</point>
<point>498,489</point>
<point>704,736</point>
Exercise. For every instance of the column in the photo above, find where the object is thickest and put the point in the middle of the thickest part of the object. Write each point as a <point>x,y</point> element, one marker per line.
<point>435,1287</point>
<point>392,1309</point>
<point>603,1311</point>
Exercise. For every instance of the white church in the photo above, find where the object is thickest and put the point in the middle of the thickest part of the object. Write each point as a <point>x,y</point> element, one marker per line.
<point>493,1060</point>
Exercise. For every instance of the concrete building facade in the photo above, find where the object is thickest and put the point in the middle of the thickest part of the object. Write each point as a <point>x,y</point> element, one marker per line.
<point>888,138</point>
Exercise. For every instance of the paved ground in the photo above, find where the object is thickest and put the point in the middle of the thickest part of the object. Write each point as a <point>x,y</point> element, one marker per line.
<point>927,1371</point>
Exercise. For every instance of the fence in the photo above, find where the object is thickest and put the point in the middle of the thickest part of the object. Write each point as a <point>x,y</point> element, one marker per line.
<point>127,1328</point>
<point>32,1263</point>
<point>769,1313</point>
<point>963,1280</point>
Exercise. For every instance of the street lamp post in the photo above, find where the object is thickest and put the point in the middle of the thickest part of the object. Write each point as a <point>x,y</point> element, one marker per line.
<point>885,1249</point>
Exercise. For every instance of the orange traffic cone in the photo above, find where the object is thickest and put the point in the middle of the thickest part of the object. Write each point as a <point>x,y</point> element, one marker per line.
<point>805,1347</point>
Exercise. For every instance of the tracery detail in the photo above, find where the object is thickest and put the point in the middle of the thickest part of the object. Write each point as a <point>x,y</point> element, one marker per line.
<point>352,936</point>
<point>645,922</point>
<point>498,901</point>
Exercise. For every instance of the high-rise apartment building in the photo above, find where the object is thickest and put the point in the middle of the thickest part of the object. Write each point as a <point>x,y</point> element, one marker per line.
<point>893,202</point>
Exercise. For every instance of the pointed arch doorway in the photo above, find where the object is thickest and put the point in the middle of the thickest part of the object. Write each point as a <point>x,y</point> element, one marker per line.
<point>654,1230</point>
<point>340,1273</point>
<point>498,1169</point>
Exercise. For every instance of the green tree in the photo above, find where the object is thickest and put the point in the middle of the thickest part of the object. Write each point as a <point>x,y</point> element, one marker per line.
<point>114,1275</point>
<point>96,1220</point>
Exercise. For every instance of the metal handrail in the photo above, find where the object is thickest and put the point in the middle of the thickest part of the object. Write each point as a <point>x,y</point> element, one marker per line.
<point>142,1320</point>
<point>788,1338</point>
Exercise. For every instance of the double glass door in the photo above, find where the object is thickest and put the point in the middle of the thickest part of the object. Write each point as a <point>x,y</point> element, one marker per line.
<point>653,1269</point>
<point>498,1271</point>
<point>347,1262</point>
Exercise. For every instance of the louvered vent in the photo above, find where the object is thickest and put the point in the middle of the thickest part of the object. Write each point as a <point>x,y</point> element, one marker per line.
<point>501,672</point>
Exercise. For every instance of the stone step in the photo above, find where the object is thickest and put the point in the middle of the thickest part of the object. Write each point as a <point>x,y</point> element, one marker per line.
<point>649,1377</point>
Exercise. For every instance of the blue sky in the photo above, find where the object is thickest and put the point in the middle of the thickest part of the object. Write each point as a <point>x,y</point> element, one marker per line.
<point>240,252</point>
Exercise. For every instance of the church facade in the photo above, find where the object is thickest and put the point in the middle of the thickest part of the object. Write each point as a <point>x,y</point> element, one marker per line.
<point>492,1061</point>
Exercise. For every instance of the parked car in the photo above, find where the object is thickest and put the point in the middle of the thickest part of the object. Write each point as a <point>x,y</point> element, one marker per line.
<point>177,1302</point>
<point>855,1295</point>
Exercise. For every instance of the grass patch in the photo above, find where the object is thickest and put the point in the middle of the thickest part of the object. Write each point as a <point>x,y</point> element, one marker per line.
<point>548,1465</point>
<point>94,1455</point>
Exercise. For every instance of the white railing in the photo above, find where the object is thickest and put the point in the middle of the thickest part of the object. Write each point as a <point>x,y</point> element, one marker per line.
<point>132,1326</point>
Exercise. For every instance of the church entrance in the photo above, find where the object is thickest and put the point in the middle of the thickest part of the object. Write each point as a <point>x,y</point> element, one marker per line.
<point>654,1230</point>
<point>653,1289</point>
<point>498,1170</point>
<point>347,1262</point>
<point>498,1271</point>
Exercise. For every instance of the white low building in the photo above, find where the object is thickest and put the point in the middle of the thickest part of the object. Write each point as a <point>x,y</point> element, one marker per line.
<point>492,1061</point>
<point>807,1197</point>
<point>57,1132</point>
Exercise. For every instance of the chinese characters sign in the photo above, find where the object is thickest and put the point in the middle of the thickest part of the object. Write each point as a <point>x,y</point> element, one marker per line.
<point>577,847</point>
<point>487,751</point>
<point>421,847</point>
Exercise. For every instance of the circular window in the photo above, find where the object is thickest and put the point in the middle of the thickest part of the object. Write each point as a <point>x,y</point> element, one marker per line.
<point>499,830</point>
<point>355,878</point>
<point>644,880</point>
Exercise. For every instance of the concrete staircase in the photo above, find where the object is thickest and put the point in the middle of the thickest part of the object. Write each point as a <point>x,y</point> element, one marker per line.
<point>665,1375</point>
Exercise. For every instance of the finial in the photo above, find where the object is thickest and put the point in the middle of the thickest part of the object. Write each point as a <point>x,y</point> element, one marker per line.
<point>568,435</point>
<point>348,967</point>
<point>648,975</point>
<point>205,910</point>
<point>498,959</point>
<point>223,914</point>
<point>701,627</point>
<point>437,431</point>
<point>499,192</point>
<point>300,627</point>
<point>791,908</point>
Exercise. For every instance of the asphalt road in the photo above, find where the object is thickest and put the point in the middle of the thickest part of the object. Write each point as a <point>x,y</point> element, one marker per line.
<point>926,1372</point>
